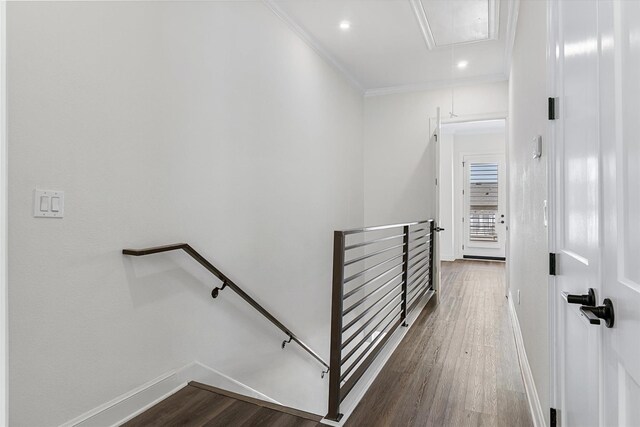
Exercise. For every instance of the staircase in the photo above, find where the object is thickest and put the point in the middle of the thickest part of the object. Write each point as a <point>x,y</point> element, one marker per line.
<point>381,275</point>
<point>202,405</point>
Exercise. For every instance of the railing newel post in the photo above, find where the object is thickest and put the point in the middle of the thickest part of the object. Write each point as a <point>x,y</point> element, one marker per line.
<point>335,364</point>
<point>405,274</point>
<point>432,243</point>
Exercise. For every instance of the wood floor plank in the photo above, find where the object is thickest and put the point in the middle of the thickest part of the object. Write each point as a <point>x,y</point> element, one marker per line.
<point>195,407</point>
<point>263,403</point>
<point>235,415</point>
<point>188,407</point>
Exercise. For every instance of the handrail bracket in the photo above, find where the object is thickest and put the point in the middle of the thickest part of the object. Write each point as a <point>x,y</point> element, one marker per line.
<point>215,291</point>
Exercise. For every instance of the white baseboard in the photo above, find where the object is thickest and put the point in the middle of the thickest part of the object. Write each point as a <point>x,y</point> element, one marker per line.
<point>529,385</point>
<point>128,405</point>
<point>357,393</point>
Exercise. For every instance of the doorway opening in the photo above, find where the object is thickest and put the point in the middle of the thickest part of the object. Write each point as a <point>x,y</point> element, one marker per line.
<point>473,196</point>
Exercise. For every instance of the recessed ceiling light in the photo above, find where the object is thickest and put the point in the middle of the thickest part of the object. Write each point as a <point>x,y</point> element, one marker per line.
<point>345,25</point>
<point>463,64</point>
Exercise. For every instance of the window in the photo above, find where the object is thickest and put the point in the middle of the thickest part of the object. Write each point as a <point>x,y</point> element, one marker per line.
<point>483,201</point>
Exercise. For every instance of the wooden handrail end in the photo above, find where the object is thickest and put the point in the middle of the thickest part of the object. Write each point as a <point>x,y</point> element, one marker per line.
<point>154,250</point>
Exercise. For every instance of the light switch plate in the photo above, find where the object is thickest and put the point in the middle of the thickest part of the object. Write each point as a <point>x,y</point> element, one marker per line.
<point>48,203</point>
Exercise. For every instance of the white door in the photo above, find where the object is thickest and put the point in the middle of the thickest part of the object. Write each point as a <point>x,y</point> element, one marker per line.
<point>597,211</point>
<point>484,213</point>
<point>619,22</point>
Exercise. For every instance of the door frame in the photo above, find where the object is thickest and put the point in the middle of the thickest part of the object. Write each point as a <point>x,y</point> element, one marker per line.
<point>499,115</point>
<point>552,176</point>
<point>555,303</point>
<point>4,389</point>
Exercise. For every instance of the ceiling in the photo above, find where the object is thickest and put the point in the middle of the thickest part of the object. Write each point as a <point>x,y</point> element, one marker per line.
<point>404,45</point>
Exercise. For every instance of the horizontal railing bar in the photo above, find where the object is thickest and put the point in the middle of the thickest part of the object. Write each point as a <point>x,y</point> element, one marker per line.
<point>421,276</point>
<point>355,276</point>
<point>416,300</point>
<point>416,297</point>
<point>359,372</point>
<point>417,230</point>
<point>371,242</point>
<point>366,350</point>
<point>369,335</point>
<point>368,322</point>
<point>382,227</point>
<point>418,253</point>
<point>418,261</point>
<point>368,282</point>
<point>417,246</point>
<point>416,289</point>
<point>213,270</point>
<point>426,242</point>
<point>419,238</point>
<point>424,281</point>
<point>361,315</point>
<point>369,295</point>
<point>426,264</point>
<point>381,251</point>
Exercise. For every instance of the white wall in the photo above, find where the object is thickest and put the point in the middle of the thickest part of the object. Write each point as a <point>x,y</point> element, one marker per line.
<point>528,262</point>
<point>399,168</point>
<point>204,122</point>
<point>452,147</point>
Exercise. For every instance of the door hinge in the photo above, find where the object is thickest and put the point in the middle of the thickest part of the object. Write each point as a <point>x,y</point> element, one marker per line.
<point>462,219</point>
<point>463,247</point>
<point>553,417</point>
<point>553,108</point>
<point>436,137</point>
<point>552,264</point>
<point>436,181</point>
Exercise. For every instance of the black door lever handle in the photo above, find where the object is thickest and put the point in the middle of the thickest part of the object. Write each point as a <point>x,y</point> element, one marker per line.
<point>438,229</point>
<point>589,299</point>
<point>604,312</point>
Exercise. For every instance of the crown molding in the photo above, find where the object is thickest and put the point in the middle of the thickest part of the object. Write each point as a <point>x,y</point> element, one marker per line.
<point>441,84</point>
<point>423,22</point>
<point>513,6</point>
<point>314,44</point>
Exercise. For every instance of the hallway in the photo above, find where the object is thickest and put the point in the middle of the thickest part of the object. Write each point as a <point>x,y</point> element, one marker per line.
<point>458,365</point>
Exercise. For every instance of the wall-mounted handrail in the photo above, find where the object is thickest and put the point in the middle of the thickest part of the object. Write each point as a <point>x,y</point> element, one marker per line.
<point>361,258</point>
<point>227,283</point>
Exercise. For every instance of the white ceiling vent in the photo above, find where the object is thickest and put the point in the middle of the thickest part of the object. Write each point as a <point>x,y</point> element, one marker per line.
<point>446,23</point>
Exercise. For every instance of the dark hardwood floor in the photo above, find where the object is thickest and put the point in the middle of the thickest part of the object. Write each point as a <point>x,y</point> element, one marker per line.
<point>202,405</point>
<point>457,366</point>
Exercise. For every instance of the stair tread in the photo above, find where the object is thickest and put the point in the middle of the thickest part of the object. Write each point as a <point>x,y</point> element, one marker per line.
<point>259,402</point>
